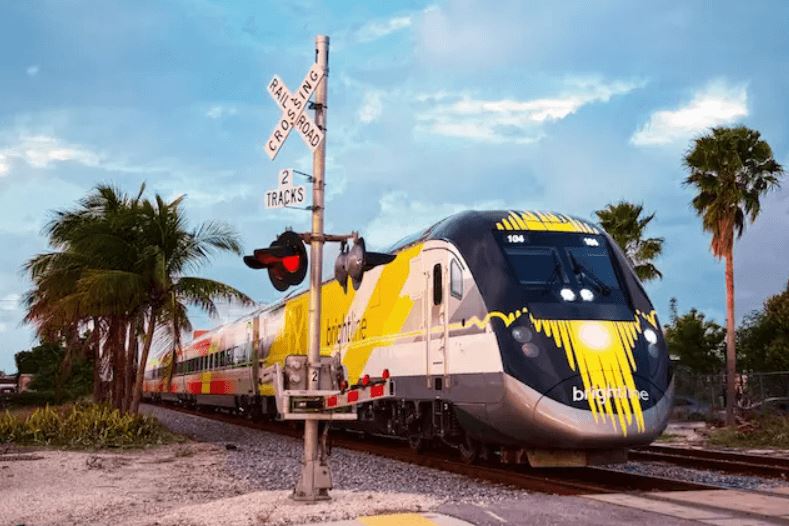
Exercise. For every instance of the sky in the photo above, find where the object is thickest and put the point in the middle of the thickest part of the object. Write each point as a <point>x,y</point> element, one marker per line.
<point>433,108</point>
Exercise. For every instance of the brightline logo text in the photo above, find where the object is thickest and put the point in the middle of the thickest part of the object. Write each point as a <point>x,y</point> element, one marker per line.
<point>611,392</point>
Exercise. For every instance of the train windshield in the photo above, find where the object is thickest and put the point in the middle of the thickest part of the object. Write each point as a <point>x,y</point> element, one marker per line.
<point>560,267</point>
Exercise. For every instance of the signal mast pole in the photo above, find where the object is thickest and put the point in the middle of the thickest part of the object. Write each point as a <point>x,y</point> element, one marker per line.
<point>314,475</point>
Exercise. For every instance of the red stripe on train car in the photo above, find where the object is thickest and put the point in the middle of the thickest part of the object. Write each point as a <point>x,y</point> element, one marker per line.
<point>221,387</point>
<point>194,387</point>
<point>377,390</point>
<point>353,396</point>
<point>331,401</point>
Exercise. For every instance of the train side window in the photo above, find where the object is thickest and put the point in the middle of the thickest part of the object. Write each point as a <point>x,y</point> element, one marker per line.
<point>455,279</point>
<point>438,285</point>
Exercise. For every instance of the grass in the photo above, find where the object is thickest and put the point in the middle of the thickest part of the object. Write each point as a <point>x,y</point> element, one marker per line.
<point>81,426</point>
<point>668,437</point>
<point>765,431</point>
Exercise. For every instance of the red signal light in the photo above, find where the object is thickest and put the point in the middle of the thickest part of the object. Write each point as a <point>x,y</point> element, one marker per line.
<point>385,374</point>
<point>366,380</point>
<point>291,263</point>
<point>285,259</point>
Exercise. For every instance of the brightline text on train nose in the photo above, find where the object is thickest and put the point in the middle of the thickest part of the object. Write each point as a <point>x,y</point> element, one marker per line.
<point>612,392</point>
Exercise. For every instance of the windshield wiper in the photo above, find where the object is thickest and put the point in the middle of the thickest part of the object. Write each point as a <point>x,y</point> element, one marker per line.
<point>584,272</point>
<point>556,274</point>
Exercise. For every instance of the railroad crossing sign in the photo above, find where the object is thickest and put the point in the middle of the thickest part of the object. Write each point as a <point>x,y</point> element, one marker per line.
<point>286,194</point>
<point>293,106</point>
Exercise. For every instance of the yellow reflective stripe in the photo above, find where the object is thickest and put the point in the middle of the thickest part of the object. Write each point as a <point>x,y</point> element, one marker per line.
<point>396,519</point>
<point>507,224</point>
<point>515,220</point>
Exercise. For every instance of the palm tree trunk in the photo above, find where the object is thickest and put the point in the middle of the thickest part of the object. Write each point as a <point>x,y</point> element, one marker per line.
<point>116,345</point>
<point>131,359</point>
<point>96,337</point>
<point>731,356</point>
<point>118,354</point>
<point>146,347</point>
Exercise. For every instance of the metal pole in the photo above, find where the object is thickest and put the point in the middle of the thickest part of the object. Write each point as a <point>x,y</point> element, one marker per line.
<point>316,477</point>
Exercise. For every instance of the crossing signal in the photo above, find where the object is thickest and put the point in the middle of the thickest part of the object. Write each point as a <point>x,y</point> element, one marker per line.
<point>355,262</point>
<point>285,259</point>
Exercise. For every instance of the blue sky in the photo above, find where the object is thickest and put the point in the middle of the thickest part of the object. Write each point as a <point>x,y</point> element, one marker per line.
<point>433,108</point>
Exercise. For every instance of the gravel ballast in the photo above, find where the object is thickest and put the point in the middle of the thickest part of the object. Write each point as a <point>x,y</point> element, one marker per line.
<point>272,461</point>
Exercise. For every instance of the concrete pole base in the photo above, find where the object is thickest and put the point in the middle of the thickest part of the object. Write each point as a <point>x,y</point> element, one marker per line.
<point>314,484</point>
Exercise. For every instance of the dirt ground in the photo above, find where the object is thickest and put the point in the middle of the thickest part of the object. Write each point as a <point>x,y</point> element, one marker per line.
<point>174,485</point>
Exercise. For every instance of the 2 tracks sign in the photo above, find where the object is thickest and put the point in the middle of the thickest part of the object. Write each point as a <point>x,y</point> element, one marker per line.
<point>286,194</point>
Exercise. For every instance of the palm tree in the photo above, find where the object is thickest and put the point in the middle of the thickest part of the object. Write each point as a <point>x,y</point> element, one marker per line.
<point>170,250</point>
<point>624,223</point>
<point>118,266</point>
<point>730,169</point>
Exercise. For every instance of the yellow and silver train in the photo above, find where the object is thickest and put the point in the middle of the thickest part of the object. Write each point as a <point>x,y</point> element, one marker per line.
<point>524,333</point>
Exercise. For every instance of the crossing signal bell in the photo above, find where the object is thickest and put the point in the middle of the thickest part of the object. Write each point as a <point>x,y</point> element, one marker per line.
<point>285,259</point>
<point>355,262</point>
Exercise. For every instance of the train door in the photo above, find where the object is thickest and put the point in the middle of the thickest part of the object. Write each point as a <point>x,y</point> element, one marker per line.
<point>436,319</point>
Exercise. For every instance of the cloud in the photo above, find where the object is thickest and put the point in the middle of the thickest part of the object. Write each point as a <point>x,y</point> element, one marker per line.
<point>40,151</point>
<point>43,151</point>
<point>219,111</point>
<point>400,215</point>
<point>9,302</point>
<point>716,104</point>
<point>379,29</point>
<point>511,120</point>
<point>372,107</point>
<point>33,70</point>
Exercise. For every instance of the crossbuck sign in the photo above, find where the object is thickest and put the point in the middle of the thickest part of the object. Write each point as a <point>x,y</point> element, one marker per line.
<point>293,106</point>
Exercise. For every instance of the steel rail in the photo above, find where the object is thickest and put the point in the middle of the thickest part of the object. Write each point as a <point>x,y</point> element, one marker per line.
<point>730,462</point>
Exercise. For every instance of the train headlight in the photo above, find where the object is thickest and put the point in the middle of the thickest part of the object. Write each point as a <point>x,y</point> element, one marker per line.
<point>595,336</point>
<point>567,294</point>
<point>521,334</point>
<point>587,295</point>
<point>530,350</point>
<point>651,337</point>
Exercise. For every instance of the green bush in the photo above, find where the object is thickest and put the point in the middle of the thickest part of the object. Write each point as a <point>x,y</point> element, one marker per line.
<point>765,431</point>
<point>82,426</point>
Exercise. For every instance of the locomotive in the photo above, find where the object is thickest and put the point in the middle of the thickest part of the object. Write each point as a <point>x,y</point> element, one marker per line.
<point>522,334</point>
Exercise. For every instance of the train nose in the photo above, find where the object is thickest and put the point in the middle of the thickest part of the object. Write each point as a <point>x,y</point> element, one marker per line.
<point>535,420</point>
<point>603,417</point>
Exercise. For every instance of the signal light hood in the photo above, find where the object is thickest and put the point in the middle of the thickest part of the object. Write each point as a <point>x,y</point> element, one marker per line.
<point>357,261</point>
<point>285,259</point>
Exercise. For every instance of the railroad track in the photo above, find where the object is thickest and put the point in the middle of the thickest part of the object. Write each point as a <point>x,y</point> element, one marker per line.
<point>560,481</point>
<point>741,463</point>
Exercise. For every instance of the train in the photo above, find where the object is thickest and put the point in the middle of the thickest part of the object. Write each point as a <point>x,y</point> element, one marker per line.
<point>524,335</point>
